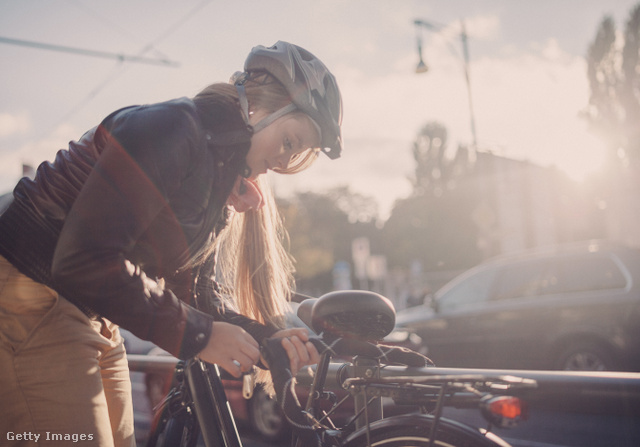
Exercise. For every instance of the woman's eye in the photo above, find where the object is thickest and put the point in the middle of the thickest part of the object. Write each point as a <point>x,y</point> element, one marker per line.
<point>287,144</point>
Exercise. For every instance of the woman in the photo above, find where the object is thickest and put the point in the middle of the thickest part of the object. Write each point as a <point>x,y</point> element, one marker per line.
<point>124,229</point>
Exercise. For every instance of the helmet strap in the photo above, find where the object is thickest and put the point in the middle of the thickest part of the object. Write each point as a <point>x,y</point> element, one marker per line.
<point>244,103</point>
<point>244,106</point>
<point>274,116</point>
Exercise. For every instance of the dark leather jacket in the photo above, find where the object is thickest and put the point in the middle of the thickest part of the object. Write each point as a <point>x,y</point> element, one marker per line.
<point>132,201</point>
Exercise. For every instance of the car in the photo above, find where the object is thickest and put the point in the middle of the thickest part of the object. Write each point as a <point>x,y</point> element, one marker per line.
<point>567,307</point>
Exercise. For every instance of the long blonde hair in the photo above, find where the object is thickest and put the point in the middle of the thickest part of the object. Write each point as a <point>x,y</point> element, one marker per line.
<point>254,257</point>
<point>254,261</point>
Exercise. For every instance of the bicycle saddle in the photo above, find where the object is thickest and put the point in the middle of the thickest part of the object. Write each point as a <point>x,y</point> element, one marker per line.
<point>349,313</point>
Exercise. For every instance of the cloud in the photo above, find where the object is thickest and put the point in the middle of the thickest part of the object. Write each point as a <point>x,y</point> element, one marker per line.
<point>528,106</point>
<point>45,148</point>
<point>526,103</point>
<point>32,153</point>
<point>483,27</point>
<point>11,125</point>
<point>526,96</point>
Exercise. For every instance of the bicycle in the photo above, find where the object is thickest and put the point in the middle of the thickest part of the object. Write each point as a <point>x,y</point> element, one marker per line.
<point>346,321</point>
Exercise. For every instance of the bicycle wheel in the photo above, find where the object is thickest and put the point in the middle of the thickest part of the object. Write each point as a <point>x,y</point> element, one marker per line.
<point>266,418</point>
<point>415,432</point>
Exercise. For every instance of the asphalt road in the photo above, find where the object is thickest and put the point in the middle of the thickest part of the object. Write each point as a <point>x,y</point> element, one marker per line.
<point>552,429</point>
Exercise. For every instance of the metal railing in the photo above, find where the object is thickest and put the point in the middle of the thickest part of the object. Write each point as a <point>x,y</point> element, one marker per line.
<point>606,393</point>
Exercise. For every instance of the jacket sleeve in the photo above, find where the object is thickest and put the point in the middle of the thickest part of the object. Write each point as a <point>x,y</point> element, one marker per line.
<point>145,155</point>
<point>209,296</point>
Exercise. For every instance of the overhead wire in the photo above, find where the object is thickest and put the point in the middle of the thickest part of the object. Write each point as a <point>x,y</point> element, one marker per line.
<point>111,24</point>
<point>85,52</point>
<point>121,68</point>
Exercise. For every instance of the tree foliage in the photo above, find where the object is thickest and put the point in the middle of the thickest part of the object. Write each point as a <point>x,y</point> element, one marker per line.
<point>434,225</point>
<point>613,71</point>
<point>428,152</point>
<point>321,228</point>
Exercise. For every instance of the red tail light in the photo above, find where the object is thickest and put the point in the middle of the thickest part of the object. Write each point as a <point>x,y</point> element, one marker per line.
<point>504,411</point>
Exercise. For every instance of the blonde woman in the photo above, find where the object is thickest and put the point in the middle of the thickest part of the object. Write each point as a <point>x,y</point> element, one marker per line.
<point>124,229</point>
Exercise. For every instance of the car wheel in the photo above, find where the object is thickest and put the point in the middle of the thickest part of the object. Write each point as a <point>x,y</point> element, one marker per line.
<point>266,418</point>
<point>585,357</point>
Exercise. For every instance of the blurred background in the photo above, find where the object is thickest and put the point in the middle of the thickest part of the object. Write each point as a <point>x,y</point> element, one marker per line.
<point>472,128</point>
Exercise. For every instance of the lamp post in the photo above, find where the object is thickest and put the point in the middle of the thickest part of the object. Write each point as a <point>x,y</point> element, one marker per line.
<point>423,67</point>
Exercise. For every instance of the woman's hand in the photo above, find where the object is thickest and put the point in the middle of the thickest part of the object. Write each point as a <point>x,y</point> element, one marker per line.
<point>296,343</point>
<point>232,348</point>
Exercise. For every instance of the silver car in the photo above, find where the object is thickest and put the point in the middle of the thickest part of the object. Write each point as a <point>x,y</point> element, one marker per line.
<point>571,307</point>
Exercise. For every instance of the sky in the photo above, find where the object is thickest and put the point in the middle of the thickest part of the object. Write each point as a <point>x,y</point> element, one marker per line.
<point>527,70</point>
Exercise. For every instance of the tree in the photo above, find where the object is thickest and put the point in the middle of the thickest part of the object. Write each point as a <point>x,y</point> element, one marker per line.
<point>428,152</point>
<point>434,225</point>
<point>614,80</point>
<point>630,96</point>
<point>357,207</point>
<point>614,113</point>
<point>435,172</point>
<point>321,228</point>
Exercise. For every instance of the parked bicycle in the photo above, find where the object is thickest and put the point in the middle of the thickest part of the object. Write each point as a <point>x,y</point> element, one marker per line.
<point>346,323</point>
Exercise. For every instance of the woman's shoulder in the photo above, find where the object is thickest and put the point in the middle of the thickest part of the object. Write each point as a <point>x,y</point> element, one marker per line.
<point>161,116</point>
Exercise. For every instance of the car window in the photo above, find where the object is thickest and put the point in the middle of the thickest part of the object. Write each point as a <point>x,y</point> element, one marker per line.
<point>580,274</point>
<point>474,289</point>
<point>522,279</point>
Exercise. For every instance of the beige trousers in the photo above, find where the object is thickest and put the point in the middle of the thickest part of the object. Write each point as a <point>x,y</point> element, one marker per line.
<point>64,378</point>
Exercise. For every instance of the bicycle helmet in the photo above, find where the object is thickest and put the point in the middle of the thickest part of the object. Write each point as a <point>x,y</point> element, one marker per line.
<point>313,89</point>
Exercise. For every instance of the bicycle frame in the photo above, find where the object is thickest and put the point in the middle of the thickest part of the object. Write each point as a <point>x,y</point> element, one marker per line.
<point>366,385</point>
<point>211,405</point>
<point>203,396</point>
<point>365,410</point>
<point>602,393</point>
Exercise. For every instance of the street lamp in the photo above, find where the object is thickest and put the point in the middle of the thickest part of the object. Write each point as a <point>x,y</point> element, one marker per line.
<point>422,67</point>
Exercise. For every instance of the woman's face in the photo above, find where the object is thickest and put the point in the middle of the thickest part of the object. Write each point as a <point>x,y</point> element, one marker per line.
<point>274,146</point>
